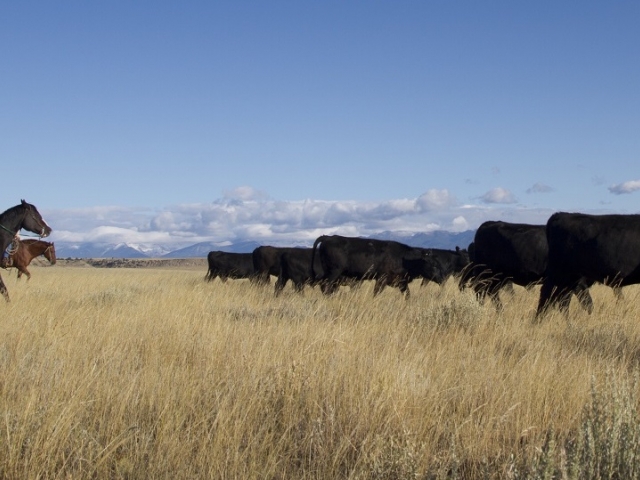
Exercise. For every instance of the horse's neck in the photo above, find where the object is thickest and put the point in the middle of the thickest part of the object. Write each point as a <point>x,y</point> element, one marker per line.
<point>35,248</point>
<point>9,225</point>
<point>5,241</point>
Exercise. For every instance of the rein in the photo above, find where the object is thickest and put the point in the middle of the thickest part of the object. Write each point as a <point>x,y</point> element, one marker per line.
<point>30,235</point>
<point>13,234</point>
<point>13,247</point>
<point>47,249</point>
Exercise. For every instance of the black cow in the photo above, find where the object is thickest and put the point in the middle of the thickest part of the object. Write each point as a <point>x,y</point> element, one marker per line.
<point>229,265</point>
<point>295,265</point>
<point>503,253</point>
<point>597,248</point>
<point>437,265</point>
<point>266,262</point>
<point>385,261</point>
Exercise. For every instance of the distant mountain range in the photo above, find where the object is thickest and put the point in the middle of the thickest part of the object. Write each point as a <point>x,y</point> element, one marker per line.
<point>436,239</point>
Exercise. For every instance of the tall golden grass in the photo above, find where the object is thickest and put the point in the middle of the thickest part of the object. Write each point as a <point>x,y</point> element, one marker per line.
<point>155,373</point>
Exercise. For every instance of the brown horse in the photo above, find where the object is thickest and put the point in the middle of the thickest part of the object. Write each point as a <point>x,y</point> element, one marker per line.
<point>23,251</point>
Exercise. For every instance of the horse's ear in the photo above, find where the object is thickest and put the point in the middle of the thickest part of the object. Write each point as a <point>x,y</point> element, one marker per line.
<point>22,201</point>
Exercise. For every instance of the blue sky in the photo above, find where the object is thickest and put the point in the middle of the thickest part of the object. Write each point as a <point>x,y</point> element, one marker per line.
<point>186,121</point>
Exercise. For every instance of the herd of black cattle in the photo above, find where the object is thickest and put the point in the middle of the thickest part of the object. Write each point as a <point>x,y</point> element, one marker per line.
<point>566,257</point>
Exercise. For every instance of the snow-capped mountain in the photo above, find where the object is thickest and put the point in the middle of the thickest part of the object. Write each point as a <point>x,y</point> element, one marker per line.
<point>437,239</point>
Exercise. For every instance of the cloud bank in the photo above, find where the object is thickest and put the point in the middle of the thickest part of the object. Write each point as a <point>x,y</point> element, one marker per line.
<point>246,214</point>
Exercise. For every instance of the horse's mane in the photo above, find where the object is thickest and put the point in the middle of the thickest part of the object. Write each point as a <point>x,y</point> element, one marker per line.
<point>12,211</point>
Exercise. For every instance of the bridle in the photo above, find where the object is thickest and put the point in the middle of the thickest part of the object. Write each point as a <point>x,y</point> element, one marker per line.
<point>48,249</point>
<point>33,217</point>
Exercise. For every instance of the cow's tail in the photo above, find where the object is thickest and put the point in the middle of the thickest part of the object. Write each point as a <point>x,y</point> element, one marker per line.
<point>319,240</point>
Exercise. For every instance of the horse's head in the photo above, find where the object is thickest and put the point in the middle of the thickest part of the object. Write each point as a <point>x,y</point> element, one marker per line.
<point>33,221</point>
<point>50,253</point>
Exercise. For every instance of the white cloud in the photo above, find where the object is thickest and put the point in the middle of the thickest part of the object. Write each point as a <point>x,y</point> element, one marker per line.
<point>498,195</point>
<point>435,200</point>
<point>260,218</point>
<point>539,188</point>
<point>459,224</point>
<point>626,187</point>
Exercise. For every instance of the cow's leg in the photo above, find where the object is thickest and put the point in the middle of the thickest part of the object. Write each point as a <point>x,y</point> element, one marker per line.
<point>481,283</point>
<point>330,282</point>
<point>3,290</point>
<point>381,282</point>
<point>564,302</point>
<point>392,281</point>
<point>280,283</point>
<point>492,289</point>
<point>330,287</point>
<point>553,293</point>
<point>404,288</point>
<point>584,297</point>
<point>546,290</point>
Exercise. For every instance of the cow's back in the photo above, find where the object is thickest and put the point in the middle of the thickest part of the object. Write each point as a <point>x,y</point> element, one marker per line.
<point>516,250</point>
<point>229,264</point>
<point>296,265</point>
<point>601,248</point>
<point>360,257</point>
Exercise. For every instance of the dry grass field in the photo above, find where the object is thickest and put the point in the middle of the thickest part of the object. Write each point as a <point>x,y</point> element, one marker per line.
<point>143,373</point>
